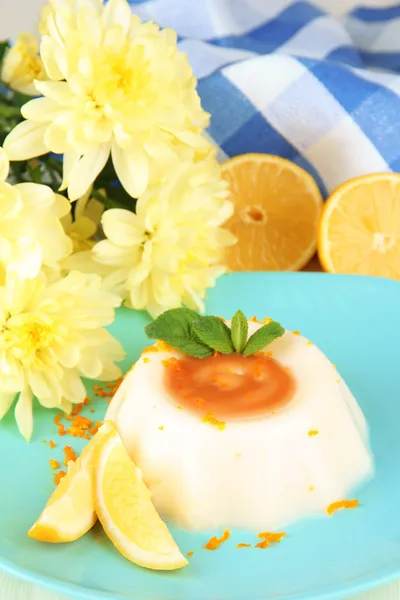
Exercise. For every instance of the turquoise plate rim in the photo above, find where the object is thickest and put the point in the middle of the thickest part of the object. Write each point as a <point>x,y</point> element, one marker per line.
<point>81,593</point>
<point>379,577</point>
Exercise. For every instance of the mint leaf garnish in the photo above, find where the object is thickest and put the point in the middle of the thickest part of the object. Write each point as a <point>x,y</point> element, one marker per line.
<point>262,337</point>
<point>199,336</point>
<point>175,328</point>
<point>239,329</point>
<point>213,332</point>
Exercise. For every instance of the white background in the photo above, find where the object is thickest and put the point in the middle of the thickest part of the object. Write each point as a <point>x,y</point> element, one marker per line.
<point>22,15</point>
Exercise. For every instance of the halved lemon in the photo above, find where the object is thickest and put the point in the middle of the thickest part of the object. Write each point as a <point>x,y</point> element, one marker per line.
<point>359,230</point>
<point>69,512</point>
<point>277,207</point>
<point>126,512</point>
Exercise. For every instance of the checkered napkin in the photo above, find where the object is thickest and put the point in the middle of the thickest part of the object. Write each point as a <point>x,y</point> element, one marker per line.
<point>284,77</point>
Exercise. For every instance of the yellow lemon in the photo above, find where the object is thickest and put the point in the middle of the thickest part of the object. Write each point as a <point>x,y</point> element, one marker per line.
<point>70,512</point>
<point>359,230</point>
<point>126,512</point>
<point>277,208</point>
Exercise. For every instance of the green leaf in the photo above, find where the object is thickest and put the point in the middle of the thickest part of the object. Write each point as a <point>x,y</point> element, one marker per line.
<point>175,328</point>
<point>239,329</point>
<point>262,337</point>
<point>213,332</point>
<point>4,45</point>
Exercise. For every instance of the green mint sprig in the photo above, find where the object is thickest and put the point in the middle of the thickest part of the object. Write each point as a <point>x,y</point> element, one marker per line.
<point>198,336</point>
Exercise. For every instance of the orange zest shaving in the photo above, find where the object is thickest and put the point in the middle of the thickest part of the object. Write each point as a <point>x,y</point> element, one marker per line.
<point>164,347</point>
<point>69,455</point>
<point>211,420</point>
<point>96,427</point>
<point>296,332</point>
<point>59,476</point>
<point>309,343</point>
<point>146,360</point>
<point>54,464</point>
<point>79,427</point>
<point>215,542</point>
<point>190,554</point>
<point>52,444</point>
<point>313,432</point>
<point>110,388</point>
<point>171,363</point>
<point>266,320</point>
<point>154,348</point>
<point>269,538</point>
<point>86,401</point>
<point>60,426</point>
<point>243,546</point>
<point>161,427</point>
<point>254,319</point>
<point>77,409</point>
<point>340,505</point>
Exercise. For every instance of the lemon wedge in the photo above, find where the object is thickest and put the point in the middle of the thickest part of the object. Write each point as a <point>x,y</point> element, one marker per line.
<point>69,512</point>
<point>124,507</point>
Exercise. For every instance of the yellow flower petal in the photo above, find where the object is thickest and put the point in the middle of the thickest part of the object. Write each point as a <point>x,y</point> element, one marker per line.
<point>4,165</point>
<point>85,171</point>
<point>67,355</point>
<point>23,413</point>
<point>71,157</point>
<point>73,387</point>
<point>26,141</point>
<point>22,65</point>
<point>59,91</point>
<point>51,56</point>
<point>90,25</point>
<point>117,12</point>
<point>35,196</point>
<point>55,139</point>
<point>90,365</point>
<point>40,110</point>
<point>132,169</point>
<point>123,227</point>
<point>26,258</point>
<point>110,254</point>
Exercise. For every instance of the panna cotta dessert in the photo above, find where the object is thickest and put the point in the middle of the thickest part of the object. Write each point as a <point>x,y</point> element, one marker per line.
<point>239,424</point>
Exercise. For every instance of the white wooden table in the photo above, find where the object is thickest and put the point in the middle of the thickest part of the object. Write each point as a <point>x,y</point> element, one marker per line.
<point>22,15</point>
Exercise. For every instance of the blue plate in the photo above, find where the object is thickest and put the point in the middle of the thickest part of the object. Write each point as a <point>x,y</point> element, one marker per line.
<point>356,321</point>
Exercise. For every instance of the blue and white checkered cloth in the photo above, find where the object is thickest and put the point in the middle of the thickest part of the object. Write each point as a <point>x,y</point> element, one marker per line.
<point>285,77</point>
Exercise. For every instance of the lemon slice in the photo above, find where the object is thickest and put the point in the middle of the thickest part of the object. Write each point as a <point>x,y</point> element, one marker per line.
<point>69,512</point>
<point>126,512</point>
<point>277,207</point>
<point>359,231</point>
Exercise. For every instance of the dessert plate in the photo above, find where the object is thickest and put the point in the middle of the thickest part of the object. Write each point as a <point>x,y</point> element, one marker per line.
<point>356,322</point>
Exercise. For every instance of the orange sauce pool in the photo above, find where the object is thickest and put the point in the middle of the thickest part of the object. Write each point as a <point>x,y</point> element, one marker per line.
<point>229,386</point>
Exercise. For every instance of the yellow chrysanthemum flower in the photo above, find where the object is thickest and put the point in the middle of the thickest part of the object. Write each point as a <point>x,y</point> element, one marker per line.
<point>51,334</point>
<point>117,86</point>
<point>84,225</point>
<point>31,233</point>
<point>171,250</point>
<point>22,65</point>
